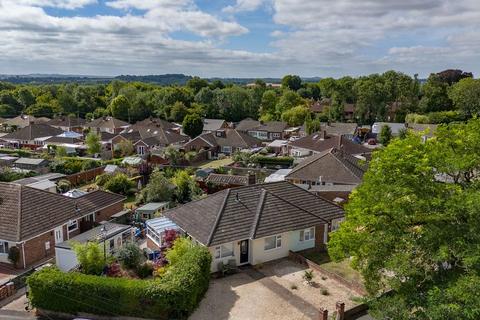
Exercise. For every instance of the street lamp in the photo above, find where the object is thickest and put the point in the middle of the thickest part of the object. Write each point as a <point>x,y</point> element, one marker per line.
<point>103,231</point>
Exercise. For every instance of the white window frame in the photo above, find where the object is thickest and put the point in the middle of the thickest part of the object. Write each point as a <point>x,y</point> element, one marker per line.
<point>4,247</point>
<point>307,234</point>
<point>277,241</point>
<point>220,253</point>
<point>227,149</point>
<point>70,224</point>
<point>276,135</point>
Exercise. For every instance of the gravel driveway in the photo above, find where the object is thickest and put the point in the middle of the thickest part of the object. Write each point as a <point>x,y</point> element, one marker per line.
<point>276,291</point>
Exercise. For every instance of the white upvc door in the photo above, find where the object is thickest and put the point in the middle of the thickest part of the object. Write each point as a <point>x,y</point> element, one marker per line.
<point>58,234</point>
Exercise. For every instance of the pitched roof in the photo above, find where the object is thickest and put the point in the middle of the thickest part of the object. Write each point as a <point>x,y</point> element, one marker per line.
<point>67,121</point>
<point>33,131</point>
<point>231,137</point>
<point>59,139</point>
<point>153,136</point>
<point>319,142</point>
<point>107,123</point>
<point>254,125</point>
<point>227,179</point>
<point>332,165</point>
<point>24,120</point>
<point>152,123</point>
<point>213,124</point>
<point>27,212</point>
<point>252,212</point>
<point>339,128</point>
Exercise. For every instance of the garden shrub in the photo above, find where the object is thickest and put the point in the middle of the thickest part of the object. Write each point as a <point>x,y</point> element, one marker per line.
<point>173,296</point>
<point>90,257</point>
<point>274,161</point>
<point>120,183</point>
<point>130,256</point>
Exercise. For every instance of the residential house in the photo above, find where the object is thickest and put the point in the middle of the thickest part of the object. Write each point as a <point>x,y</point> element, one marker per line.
<point>107,124</point>
<point>32,136</point>
<point>150,210</point>
<point>35,220</point>
<point>257,223</point>
<point>340,128</point>
<point>212,125</point>
<point>146,139</point>
<point>155,124</point>
<point>68,123</point>
<point>332,174</point>
<point>320,141</point>
<point>324,104</point>
<point>225,141</point>
<point>23,121</point>
<point>267,131</point>
<point>112,236</point>
<point>38,165</point>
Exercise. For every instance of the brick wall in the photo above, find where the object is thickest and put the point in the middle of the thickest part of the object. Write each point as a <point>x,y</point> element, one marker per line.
<point>35,249</point>
<point>7,290</point>
<point>105,214</point>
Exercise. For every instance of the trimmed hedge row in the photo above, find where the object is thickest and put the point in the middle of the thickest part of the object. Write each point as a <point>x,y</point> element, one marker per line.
<point>173,296</point>
<point>273,161</point>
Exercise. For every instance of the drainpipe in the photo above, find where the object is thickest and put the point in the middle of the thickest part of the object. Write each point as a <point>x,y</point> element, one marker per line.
<point>23,255</point>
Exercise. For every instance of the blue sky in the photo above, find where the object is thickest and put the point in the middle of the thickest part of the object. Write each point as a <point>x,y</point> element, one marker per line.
<point>238,38</point>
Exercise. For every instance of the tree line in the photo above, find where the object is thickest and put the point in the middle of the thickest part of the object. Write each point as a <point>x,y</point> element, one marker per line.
<point>374,95</point>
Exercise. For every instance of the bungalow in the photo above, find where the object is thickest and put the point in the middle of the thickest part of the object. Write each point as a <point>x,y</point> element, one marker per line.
<point>331,174</point>
<point>155,124</point>
<point>144,140</point>
<point>269,131</point>
<point>107,124</point>
<point>32,136</point>
<point>225,141</point>
<point>35,221</point>
<point>23,121</point>
<point>257,223</point>
<point>320,141</point>
<point>68,123</point>
<point>111,235</point>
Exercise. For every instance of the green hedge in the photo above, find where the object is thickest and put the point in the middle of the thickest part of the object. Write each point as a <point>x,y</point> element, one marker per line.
<point>173,296</point>
<point>274,161</point>
<point>25,153</point>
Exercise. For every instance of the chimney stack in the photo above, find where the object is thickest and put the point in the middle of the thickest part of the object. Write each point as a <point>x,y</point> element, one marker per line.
<point>252,178</point>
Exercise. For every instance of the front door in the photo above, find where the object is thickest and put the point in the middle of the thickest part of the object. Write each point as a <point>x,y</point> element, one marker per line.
<point>243,251</point>
<point>58,234</point>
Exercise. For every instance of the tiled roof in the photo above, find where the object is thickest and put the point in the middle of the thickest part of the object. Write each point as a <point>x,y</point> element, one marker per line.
<point>26,212</point>
<point>339,128</point>
<point>213,124</point>
<point>231,137</point>
<point>252,212</point>
<point>66,121</point>
<point>333,166</point>
<point>153,136</point>
<point>24,120</point>
<point>33,131</point>
<point>319,142</point>
<point>227,179</point>
<point>107,122</point>
<point>254,125</point>
<point>152,123</point>
<point>58,139</point>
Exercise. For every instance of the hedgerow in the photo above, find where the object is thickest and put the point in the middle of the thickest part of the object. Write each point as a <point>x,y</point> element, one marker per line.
<point>173,296</point>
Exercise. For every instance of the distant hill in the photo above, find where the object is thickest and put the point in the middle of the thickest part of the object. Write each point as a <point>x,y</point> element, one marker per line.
<point>163,79</point>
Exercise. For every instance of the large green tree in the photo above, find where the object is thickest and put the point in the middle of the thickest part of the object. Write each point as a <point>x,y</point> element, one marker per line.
<point>192,125</point>
<point>412,226</point>
<point>465,96</point>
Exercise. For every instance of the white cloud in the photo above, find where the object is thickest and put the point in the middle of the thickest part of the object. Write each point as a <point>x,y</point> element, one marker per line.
<point>244,5</point>
<point>64,4</point>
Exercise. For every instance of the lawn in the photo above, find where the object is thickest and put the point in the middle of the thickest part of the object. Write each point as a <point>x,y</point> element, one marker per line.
<point>216,163</point>
<point>342,268</point>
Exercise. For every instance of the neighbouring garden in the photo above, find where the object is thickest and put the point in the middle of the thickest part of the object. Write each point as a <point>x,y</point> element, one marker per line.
<point>126,284</point>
